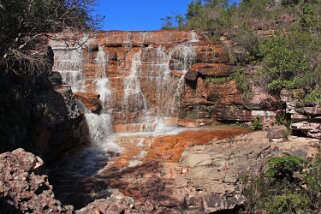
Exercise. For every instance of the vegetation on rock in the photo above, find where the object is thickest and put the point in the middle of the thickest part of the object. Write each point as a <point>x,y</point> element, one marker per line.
<point>283,37</point>
<point>289,185</point>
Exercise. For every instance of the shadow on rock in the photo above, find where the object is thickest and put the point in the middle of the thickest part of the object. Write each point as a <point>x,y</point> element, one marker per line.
<point>74,178</point>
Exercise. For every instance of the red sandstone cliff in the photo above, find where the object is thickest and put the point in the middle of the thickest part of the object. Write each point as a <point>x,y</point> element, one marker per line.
<point>143,73</point>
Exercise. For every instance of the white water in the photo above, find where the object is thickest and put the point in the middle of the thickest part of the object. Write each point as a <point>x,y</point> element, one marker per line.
<point>101,80</point>
<point>100,125</point>
<point>69,63</point>
<point>133,95</point>
<point>187,55</point>
<point>194,37</point>
<point>100,129</point>
<point>153,119</point>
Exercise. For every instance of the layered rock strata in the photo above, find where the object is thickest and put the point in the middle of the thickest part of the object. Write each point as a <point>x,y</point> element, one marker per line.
<point>305,117</point>
<point>141,76</point>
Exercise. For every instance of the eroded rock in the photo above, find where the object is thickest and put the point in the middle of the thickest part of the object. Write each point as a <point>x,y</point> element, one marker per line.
<point>22,189</point>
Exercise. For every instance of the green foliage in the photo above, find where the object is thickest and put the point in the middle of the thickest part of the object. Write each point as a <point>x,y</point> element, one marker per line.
<point>312,180</point>
<point>283,120</point>
<point>313,96</point>
<point>287,133</point>
<point>288,203</point>
<point>218,80</point>
<point>20,20</point>
<point>242,82</point>
<point>269,193</point>
<point>283,167</point>
<point>290,58</point>
<point>282,63</point>
<point>167,23</point>
<point>257,124</point>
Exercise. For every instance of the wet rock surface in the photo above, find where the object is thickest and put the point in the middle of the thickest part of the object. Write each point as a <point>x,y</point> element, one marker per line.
<point>203,179</point>
<point>90,100</point>
<point>146,73</point>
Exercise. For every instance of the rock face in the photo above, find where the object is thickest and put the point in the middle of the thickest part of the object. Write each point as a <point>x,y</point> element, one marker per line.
<point>278,133</point>
<point>142,76</point>
<point>90,100</point>
<point>305,119</point>
<point>223,162</point>
<point>22,190</point>
<point>38,112</point>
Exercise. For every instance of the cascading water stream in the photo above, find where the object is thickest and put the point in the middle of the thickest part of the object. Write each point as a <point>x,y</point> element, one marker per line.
<point>69,63</point>
<point>101,128</point>
<point>133,95</point>
<point>187,56</point>
<point>147,98</point>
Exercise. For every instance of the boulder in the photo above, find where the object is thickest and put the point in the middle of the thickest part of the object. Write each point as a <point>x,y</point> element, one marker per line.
<point>117,203</point>
<point>217,202</point>
<point>277,133</point>
<point>22,189</point>
<point>191,76</point>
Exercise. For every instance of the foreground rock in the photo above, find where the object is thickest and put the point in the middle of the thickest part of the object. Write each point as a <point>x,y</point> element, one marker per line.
<point>22,189</point>
<point>117,203</point>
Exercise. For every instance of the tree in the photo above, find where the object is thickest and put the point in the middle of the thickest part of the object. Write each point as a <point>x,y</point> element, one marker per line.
<point>22,20</point>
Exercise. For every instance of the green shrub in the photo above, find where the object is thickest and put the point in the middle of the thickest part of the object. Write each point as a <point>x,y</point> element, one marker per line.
<point>270,193</point>
<point>281,168</point>
<point>283,120</point>
<point>312,179</point>
<point>282,63</point>
<point>287,203</point>
<point>218,80</point>
<point>286,134</point>
<point>242,82</point>
<point>313,96</point>
<point>257,124</point>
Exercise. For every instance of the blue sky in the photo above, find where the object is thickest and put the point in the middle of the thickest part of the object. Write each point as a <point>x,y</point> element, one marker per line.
<point>138,14</point>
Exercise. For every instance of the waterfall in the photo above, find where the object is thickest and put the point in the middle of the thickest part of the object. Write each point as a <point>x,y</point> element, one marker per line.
<point>133,95</point>
<point>159,110</point>
<point>100,125</point>
<point>69,63</point>
<point>187,56</point>
<point>169,92</point>
<point>147,98</point>
<point>194,37</point>
<point>101,80</point>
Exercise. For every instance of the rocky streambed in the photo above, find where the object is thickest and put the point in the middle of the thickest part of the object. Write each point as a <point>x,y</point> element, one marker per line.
<point>194,171</point>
